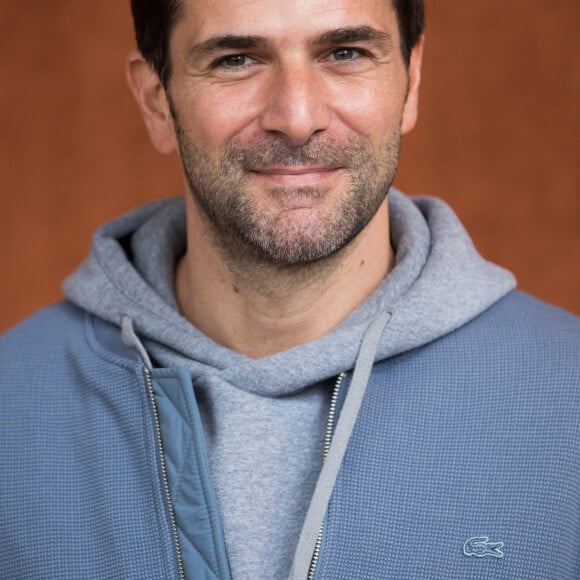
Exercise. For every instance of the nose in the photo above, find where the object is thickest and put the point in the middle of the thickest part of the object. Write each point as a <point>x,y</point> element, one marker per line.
<point>295,104</point>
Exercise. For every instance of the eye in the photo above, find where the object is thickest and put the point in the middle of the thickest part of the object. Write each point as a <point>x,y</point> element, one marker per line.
<point>236,61</point>
<point>345,54</point>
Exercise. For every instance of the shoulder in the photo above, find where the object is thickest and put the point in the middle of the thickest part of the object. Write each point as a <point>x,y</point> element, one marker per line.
<point>517,304</point>
<point>518,340</point>
<point>42,341</point>
<point>522,332</point>
<point>60,346</point>
<point>527,322</point>
<point>58,330</point>
<point>521,342</point>
<point>60,320</point>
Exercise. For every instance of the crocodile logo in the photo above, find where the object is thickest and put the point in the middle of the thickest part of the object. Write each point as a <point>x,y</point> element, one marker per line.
<point>480,547</point>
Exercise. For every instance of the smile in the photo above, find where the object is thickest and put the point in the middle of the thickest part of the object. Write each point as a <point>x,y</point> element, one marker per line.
<point>293,176</point>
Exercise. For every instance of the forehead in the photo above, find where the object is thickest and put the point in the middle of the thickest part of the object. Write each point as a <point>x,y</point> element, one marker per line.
<point>291,20</point>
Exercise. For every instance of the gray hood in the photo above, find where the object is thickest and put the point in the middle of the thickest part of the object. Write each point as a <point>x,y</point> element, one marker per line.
<point>439,283</point>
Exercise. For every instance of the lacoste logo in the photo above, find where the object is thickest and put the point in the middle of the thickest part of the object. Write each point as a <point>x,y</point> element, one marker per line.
<point>481,547</point>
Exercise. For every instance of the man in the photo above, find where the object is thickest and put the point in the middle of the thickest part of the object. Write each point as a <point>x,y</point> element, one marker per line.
<point>292,374</point>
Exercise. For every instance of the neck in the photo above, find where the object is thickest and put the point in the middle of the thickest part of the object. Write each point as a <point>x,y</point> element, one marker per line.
<point>260,309</point>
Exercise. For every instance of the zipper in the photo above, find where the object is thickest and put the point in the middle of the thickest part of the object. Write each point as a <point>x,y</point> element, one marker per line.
<point>327,442</point>
<point>164,477</point>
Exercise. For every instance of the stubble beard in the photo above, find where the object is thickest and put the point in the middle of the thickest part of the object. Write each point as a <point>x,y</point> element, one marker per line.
<point>245,232</point>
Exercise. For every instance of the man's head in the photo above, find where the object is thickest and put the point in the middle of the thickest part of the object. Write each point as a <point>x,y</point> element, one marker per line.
<point>287,116</point>
<point>154,21</point>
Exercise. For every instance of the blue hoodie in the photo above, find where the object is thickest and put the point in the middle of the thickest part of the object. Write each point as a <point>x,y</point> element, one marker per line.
<point>456,431</point>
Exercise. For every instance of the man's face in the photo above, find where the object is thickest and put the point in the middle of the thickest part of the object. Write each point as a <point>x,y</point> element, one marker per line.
<point>288,117</point>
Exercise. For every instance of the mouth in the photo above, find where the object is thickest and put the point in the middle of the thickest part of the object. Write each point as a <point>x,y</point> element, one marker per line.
<point>294,176</point>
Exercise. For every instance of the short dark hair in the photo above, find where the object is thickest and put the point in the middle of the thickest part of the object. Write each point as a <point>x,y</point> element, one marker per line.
<point>411,18</point>
<point>154,21</point>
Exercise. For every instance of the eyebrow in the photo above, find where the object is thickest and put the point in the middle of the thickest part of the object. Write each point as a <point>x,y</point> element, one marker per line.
<point>380,39</point>
<point>226,42</point>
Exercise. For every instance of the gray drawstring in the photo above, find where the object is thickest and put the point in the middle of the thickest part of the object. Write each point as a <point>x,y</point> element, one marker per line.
<point>344,428</point>
<point>131,339</point>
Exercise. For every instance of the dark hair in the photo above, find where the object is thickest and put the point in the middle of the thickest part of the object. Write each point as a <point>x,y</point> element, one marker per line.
<point>154,21</point>
<point>411,18</point>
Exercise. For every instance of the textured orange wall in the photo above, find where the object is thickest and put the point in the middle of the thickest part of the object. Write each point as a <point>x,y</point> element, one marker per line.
<point>498,138</point>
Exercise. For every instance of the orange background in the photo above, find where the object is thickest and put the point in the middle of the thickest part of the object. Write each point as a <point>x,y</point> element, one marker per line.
<point>497,138</point>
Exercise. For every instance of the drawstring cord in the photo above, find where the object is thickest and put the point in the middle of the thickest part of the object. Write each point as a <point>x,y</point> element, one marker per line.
<point>131,339</point>
<point>344,429</point>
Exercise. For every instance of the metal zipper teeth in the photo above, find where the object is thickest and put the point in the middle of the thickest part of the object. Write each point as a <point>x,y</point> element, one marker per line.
<point>164,477</point>
<point>327,442</point>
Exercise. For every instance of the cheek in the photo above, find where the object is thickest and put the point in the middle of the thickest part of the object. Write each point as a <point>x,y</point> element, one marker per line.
<point>215,115</point>
<point>374,111</point>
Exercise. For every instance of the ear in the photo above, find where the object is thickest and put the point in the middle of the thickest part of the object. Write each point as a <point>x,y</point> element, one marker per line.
<point>151,98</point>
<point>411,111</point>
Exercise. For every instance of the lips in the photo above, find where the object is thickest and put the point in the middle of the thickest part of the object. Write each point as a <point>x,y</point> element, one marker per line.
<point>295,170</point>
<point>296,175</point>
